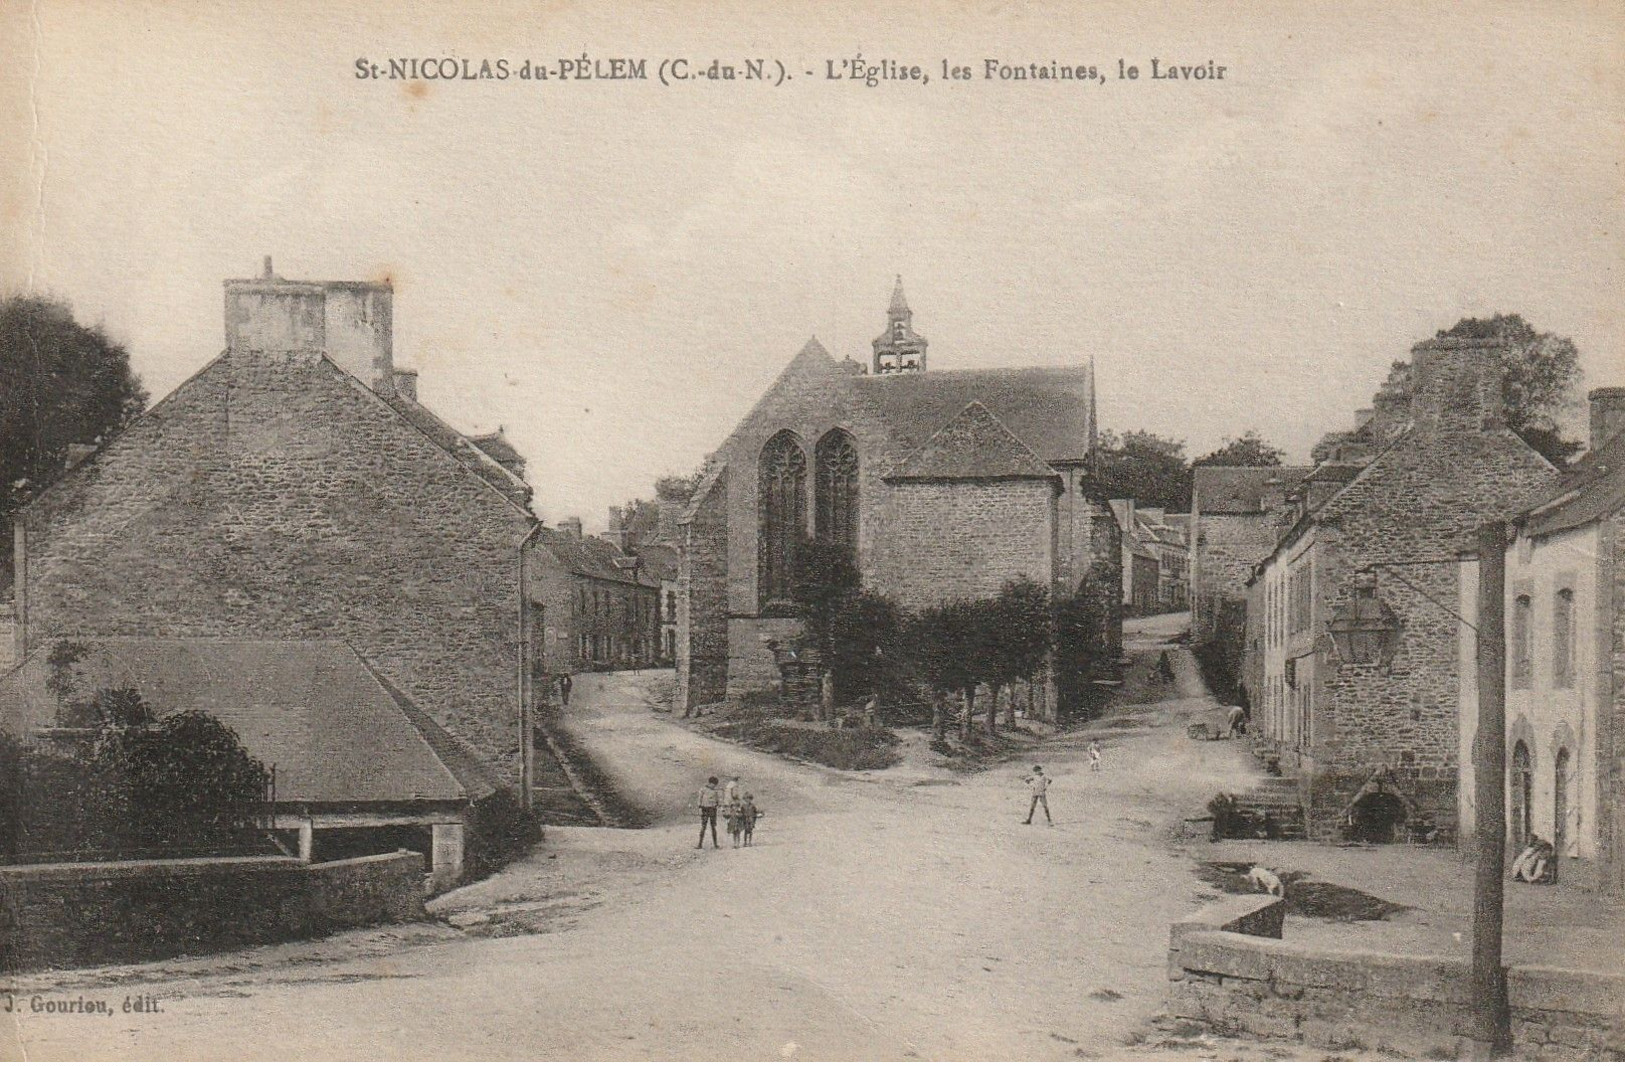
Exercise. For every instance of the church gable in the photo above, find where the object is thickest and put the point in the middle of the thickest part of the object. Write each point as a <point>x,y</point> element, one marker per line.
<point>974,445</point>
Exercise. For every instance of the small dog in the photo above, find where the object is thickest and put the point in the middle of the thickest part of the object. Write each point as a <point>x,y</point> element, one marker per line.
<point>1266,880</point>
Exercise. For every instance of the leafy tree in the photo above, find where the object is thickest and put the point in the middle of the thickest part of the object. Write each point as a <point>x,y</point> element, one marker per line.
<point>1540,379</point>
<point>825,577</point>
<point>60,383</point>
<point>1144,467</point>
<point>1249,449</point>
<point>679,485</point>
<point>868,651</point>
<point>1024,634</point>
<point>1084,645</point>
<point>944,643</point>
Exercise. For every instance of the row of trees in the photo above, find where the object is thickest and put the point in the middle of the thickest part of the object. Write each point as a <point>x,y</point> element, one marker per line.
<point>952,652</point>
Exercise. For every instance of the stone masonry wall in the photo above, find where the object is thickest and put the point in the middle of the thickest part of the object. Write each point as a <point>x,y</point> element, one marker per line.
<point>81,914</point>
<point>964,538</point>
<point>274,497</point>
<point>1412,513</point>
<point>1410,1007</point>
<point>1611,705</point>
<point>1227,548</point>
<point>702,602</point>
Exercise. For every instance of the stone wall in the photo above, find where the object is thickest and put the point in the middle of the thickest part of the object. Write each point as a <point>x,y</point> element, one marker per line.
<point>1227,547</point>
<point>702,601</point>
<point>1611,703</point>
<point>1409,1006</point>
<point>1407,516</point>
<point>275,497</point>
<point>964,538</point>
<point>82,914</point>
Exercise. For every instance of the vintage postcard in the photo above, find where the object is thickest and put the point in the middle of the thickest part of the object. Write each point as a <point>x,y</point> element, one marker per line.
<point>703,529</point>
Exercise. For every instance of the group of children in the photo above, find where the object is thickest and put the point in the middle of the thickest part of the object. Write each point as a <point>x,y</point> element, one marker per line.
<point>740,811</point>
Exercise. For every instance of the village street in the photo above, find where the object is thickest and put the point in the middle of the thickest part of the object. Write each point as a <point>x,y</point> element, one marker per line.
<point>900,913</point>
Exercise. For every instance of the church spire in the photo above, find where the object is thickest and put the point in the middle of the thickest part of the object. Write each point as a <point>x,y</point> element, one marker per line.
<point>899,350</point>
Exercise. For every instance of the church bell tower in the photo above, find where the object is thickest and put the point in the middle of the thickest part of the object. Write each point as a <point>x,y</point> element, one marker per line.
<point>899,350</point>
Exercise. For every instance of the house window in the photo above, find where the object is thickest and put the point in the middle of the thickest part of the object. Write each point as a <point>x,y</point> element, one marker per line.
<point>1522,664</point>
<point>837,489</point>
<point>671,606</point>
<point>782,503</point>
<point>1563,639</point>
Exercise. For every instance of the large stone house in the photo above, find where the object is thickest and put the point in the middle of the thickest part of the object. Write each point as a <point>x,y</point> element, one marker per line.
<point>1359,666</point>
<point>1565,641</point>
<point>295,490</point>
<point>940,482</point>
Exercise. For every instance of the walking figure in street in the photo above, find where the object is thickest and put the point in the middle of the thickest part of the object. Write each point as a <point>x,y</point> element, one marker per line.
<point>1040,785</point>
<point>1094,756</point>
<point>565,684</point>
<point>1165,667</point>
<point>709,798</point>
<point>748,813</point>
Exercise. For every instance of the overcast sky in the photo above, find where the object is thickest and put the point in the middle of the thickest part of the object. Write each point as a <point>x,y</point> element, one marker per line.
<point>614,271</point>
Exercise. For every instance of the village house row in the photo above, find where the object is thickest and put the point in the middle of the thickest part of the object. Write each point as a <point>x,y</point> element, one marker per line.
<point>1347,592</point>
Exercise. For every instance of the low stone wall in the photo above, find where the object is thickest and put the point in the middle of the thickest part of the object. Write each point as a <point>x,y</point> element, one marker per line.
<point>1414,1006</point>
<point>80,914</point>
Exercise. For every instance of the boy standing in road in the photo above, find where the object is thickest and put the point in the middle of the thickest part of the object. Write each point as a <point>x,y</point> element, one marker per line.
<point>709,798</point>
<point>1040,785</point>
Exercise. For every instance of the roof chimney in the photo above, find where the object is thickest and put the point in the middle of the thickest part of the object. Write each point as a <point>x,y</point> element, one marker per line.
<point>1362,416</point>
<point>1272,494</point>
<point>1607,414</point>
<point>350,322</point>
<point>571,527</point>
<point>1456,384</point>
<point>669,514</point>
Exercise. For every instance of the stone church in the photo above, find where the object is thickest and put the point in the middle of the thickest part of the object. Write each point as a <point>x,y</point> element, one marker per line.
<point>941,483</point>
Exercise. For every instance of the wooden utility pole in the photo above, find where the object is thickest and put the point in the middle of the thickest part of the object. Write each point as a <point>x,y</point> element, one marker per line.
<point>1491,1013</point>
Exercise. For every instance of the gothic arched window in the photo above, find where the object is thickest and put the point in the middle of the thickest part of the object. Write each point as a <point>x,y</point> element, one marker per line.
<point>837,490</point>
<point>782,505</point>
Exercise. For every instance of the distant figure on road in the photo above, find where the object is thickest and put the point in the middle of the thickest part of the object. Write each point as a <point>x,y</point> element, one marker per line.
<point>1237,722</point>
<point>1165,667</point>
<point>730,807</point>
<point>565,684</point>
<point>1040,785</point>
<point>1094,756</point>
<point>748,813</point>
<point>709,797</point>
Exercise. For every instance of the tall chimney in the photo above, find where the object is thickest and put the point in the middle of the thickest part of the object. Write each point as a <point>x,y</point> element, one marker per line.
<point>1607,413</point>
<point>1272,497</point>
<point>1456,384</point>
<point>571,527</point>
<point>350,322</point>
<point>670,512</point>
<point>1390,414</point>
<point>1362,416</point>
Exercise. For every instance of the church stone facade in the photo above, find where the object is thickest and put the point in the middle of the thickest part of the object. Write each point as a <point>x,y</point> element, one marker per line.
<point>942,483</point>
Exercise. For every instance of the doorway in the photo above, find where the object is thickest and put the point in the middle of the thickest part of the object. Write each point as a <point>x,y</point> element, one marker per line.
<point>1560,800</point>
<point>1523,793</point>
<point>1377,818</point>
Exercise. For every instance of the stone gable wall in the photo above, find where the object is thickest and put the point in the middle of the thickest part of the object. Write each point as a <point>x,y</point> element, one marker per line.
<point>1227,548</point>
<point>702,602</point>
<point>272,497</point>
<point>1611,704</point>
<point>964,538</point>
<point>1414,511</point>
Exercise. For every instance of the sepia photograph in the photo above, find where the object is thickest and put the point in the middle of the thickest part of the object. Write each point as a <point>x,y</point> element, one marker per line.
<point>694,530</point>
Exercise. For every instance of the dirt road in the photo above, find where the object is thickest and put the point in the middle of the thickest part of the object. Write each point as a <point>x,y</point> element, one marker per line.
<point>898,913</point>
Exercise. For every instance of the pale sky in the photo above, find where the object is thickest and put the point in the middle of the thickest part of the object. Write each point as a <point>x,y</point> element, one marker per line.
<point>614,271</point>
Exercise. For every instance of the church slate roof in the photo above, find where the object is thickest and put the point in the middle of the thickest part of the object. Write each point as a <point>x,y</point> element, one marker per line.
<point>975,444</point>
<point>1240,489</point>
<point>334,730</point>
<point>1593,488</point>
<point>1046,408</point>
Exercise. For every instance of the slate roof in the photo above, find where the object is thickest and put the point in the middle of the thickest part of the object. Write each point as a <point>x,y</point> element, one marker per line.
<point>1047,408</point>
<point>659,561</point>
<point>471,456</point>
<point>1593,488</point>
<point>974,444</point>
<point>497,446</point>
<point>1240,489</point>
<point>589,556</point>
<point>336,732</point>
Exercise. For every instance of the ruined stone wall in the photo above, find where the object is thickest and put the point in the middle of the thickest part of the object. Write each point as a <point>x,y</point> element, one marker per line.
<point>275,497</point>
<point>944,539</point>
